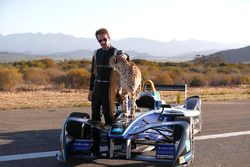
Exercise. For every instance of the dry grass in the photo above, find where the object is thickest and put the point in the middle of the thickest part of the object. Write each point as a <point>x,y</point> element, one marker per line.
<point>69,98</point>
<point>42,99</point>
<point>212,93</point>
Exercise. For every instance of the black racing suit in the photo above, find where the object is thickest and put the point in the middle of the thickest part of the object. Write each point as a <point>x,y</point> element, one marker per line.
<point>99,84</point>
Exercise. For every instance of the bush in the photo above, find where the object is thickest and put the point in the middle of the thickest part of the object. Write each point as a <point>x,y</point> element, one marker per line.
<point>228,70</point>
<point>75,73</point>
<point>163,78</point>
<point>179,76</point>
<point>235,80</point>
<point>74,64</point>
<point>197,81</point>
<point>56,77</point>
<point>9,78</point>
<point>144,72</point>
<point>48,63</point>
<point>196,69</point>
<point>245,79</point>
<point>42,63</point>
<point>36,76</point>
<point>77,78</point>
<point>224,80</point>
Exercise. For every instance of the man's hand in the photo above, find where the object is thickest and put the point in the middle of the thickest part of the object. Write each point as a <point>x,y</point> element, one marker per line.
<point>90,95</point>
<point>122,57</point>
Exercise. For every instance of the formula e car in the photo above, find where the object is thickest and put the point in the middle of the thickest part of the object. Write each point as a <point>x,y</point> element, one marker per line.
<point>160,131</point>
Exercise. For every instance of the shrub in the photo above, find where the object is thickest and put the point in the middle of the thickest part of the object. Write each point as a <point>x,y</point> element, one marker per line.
<point>197,80</point>
<point>196,69</point>
<point>179,76</point>
<point>48,63</point>
<point>144,72</point>
<point>9,78</point>
<point>235,80</point>
<point>227,80</point>
<point>77,78</point>
<point>228,70</point>
<point>42,63</point>
<point>245,79</point>
<point>163,78</point>
<point>36,76</point>
<point>56,77</point>
<point>74,64</point>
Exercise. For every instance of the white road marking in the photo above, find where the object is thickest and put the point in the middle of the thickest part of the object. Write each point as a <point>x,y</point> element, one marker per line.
<point>53,153</point>
<point>28,156</point>
<point>223,135</point>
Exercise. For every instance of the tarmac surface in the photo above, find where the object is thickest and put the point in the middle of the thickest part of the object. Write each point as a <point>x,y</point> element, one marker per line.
<point>223,142</point>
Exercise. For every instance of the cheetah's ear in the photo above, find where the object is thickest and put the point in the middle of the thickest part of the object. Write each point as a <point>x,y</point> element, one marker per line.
<point>128,59</point>
<point>119,52</point>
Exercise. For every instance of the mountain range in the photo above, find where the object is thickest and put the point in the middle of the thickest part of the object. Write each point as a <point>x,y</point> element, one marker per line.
<point>241,55</point>
<point>61,46</point>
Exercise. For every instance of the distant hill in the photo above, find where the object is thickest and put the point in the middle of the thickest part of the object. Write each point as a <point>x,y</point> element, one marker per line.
<point>235,55</point>
<point>190,55</point>
<point>38,43</point>
<point>44,43</point>
<point>172,48</point>
<point>6,57</point>
<point>77,54</point>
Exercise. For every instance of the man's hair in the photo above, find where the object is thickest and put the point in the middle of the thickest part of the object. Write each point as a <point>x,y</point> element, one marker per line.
<point>102,31</point>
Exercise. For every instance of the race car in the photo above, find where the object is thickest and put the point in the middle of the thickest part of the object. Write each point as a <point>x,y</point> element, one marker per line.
<point>161,132</point>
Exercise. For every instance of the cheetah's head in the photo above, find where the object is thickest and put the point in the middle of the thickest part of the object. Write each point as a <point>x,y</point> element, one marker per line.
<point>117,63</point>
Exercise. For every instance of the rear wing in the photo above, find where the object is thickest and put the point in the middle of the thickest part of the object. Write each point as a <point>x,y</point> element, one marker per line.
<point>181,88</point>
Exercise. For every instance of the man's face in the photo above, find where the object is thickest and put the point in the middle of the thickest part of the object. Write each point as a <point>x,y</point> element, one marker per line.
<point>104,40</point>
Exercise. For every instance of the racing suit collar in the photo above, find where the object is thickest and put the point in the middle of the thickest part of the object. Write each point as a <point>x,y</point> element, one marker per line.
<point>110,46</point>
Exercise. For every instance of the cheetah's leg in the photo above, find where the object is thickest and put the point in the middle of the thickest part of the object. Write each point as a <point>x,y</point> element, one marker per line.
<point>119,91</point>
<point>125,103</point>
<point>133,104</point>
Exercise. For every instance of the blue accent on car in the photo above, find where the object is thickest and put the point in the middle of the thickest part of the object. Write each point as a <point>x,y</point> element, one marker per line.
<point>166,151</point>
<point>82,145</point>
<point>117,130</point>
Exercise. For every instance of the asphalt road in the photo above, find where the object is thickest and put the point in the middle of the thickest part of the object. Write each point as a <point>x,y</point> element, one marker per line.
<point>33,131</point>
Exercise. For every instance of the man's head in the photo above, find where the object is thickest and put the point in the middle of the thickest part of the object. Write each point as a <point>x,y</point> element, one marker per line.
<point>102,36</point>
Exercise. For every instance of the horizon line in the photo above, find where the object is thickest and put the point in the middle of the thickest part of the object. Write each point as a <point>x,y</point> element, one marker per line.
<point>172,40</point>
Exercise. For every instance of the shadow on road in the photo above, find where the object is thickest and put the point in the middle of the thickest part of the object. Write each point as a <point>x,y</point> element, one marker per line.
<point>29,141</point>
<point>112,162</point>
<point>48,140</point>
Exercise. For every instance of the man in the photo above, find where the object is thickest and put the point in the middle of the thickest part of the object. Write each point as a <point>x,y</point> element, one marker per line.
<point>100,82</point>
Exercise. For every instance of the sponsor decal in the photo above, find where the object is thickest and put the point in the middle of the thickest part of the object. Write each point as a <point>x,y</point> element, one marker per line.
<point>166,151</point>
<point>82,145</point>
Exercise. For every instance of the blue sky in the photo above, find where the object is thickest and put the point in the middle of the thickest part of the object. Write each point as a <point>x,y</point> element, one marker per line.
<point>225,21</point>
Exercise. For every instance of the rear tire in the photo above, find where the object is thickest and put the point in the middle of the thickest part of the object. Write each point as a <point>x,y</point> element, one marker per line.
<point>79,115</point>
<point>76,129</point>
